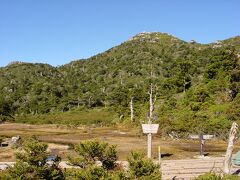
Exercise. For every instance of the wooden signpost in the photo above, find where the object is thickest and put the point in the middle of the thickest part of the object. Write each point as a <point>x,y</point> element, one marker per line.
<point>150,129</point>
<point>202,138</point>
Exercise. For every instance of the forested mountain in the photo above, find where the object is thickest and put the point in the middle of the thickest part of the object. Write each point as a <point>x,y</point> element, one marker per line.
<point>196,85</point>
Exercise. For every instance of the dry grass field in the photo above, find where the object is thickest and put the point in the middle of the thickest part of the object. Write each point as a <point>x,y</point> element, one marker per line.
<point>59,137</point>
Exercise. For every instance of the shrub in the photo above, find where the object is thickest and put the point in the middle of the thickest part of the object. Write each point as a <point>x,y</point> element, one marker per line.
<point>213,176</point>
<point>143,168</point>
<point>90,151</point>
<point>94,172</point>
<point>91,172</point>
<point>31,163</point>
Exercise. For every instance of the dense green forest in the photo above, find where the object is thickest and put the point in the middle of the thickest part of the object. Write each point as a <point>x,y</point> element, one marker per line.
<point>196,86</point>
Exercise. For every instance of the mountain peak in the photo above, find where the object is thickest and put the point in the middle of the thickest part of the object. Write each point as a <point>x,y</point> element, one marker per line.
<point>15,62</point>
<point>153,37</point>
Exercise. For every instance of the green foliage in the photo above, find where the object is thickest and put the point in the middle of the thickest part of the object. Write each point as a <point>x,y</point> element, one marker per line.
<point>88,153</point>
<point>213,176</point>
<point>143,168</point>
<point>91,151</point>
<point>196,76</point>
<point>79,116</point>
<point>95,173</point>
<point>31,163</point>
<point>233,112</point>
<point>118,175</point>
<point>139,167</point>
<point>91,172</point>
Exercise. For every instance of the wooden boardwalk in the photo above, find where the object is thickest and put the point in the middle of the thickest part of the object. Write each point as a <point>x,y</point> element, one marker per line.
<point>191,168</point>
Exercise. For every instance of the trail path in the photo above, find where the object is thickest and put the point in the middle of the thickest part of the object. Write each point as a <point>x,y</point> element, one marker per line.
<point>191,168</point>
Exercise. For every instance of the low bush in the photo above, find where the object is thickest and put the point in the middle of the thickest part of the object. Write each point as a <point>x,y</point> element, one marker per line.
<point>213,176</point>
<point>90,151</point>
<point>142,168</point>
<point>31,163</point>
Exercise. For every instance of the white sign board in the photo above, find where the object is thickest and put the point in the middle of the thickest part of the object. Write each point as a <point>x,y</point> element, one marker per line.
<point>193,136</point>
<point>150,128</point>
<point>208,136</point>
<point>205,137</point>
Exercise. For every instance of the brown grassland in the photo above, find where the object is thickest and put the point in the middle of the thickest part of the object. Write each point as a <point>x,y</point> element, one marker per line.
<point>61,139</point>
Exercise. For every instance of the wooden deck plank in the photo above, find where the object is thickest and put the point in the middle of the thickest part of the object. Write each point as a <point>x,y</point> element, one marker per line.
<point>191,168</point>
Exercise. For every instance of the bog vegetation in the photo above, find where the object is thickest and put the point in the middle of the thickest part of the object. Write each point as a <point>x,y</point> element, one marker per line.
<point>196,86</point>
<point>95,160</point>
<point>32,163</point>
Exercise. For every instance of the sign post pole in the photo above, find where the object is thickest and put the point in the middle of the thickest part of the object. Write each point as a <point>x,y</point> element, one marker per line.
<point>202,138</point>
<point>201,144</point>
<point>149,129</point>
<point>159,155</point>
<point>149,152</point>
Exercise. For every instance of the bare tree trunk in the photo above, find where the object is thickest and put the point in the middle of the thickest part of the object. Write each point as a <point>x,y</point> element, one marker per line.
<point>103,90</point>
<point>231,141</point>
<point>151,102</point>
<point>185,83</point>
<point>151,74</point>
<point>89,101</point>
<point>131,108</point>
<point>78,101</point>
<point>121,80</point>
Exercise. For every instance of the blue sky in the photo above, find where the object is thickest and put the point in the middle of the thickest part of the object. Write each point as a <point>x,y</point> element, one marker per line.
<point>59,31</point>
